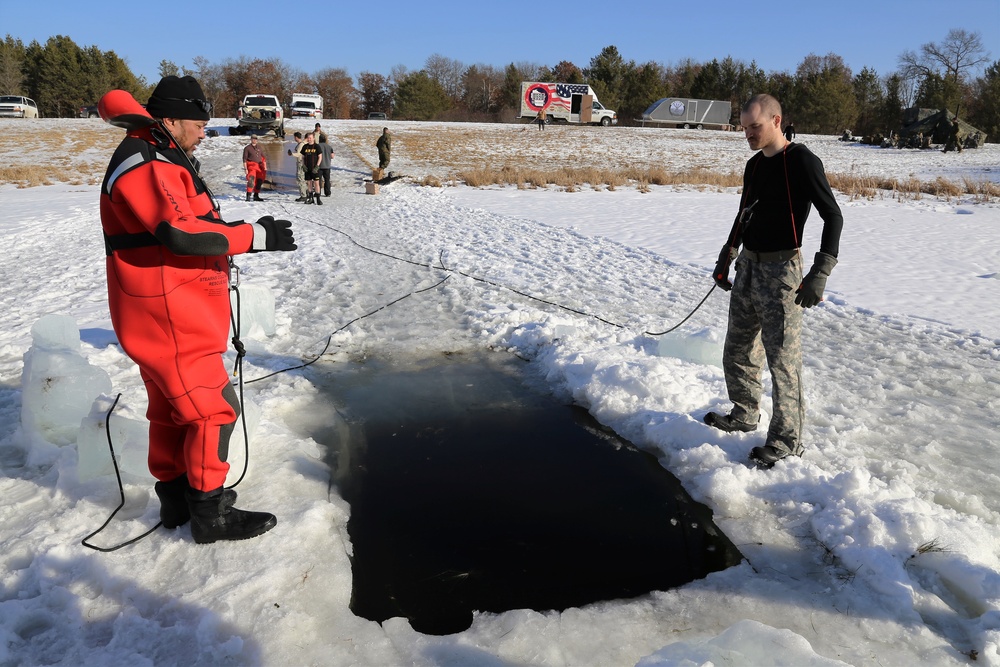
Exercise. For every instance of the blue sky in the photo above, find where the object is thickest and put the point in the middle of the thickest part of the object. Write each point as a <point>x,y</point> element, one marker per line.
<point>376,36</point>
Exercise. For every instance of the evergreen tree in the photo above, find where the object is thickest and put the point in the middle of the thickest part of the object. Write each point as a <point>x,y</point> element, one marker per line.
<point>12,62</point>
<point>419,97</point>
<point>168,68</point>
<point>984,112</point>
<point>824,99</point>
<point>890,112</point>
<point>606,75</point>
<point>61,82</point>
<point>642,86</point>
<point>680,79</point>
<point>869,98</point>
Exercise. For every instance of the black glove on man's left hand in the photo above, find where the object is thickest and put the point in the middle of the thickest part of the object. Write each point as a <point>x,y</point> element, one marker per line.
<point>810,292</point>
<point>277,235</point>
<point>721,272</point>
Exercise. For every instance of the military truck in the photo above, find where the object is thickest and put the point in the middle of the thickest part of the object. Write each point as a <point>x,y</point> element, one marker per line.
<point>258,114</point>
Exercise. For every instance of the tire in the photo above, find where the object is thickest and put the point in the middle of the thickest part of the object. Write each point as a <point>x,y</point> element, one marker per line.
<point>700,126</point>
<point>92,115</point>
<point>687,126</point>
<point>605,122</point>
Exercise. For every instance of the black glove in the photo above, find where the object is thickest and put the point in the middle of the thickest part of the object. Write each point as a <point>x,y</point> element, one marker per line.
<point>810,292</point>
<point>721,272</point>
<point>278,234</point>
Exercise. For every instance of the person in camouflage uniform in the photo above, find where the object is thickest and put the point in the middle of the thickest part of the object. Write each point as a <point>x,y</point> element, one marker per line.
<point>384,146</point>
<point>781,182</point>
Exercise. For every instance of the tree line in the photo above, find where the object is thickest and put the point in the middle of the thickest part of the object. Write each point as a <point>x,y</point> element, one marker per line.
<point>821,96</point>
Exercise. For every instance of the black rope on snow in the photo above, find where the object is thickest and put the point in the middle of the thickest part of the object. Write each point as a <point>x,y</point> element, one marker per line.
<point>532,297</point>
<point>360,317</point>
<point>121,492</point>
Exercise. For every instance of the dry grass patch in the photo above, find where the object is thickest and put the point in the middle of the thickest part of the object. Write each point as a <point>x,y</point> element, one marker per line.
<point>874,187</point>
<point>65,149</point>
<point>594,177</point>
<point>26,176</point>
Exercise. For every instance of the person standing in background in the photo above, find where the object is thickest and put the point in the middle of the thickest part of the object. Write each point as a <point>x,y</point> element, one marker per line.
<point>384,146</point>
<point>325,163</point>
<point>300,174</point>
<point>311,157</point>
<point>255,166</point>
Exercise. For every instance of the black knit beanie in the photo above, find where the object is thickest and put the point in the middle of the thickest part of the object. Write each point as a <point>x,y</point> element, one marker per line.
<point>174,97</point>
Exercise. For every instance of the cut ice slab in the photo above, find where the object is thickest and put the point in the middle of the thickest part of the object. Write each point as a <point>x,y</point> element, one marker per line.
<point>699,347</point>
<point>58,385</point>
<point>255,305</point>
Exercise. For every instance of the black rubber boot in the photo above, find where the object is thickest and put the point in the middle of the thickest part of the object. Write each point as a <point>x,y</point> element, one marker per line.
<point>212,519</point>
<point>248,196</point>
<point>174,510</point>
<point>256,197</point>
<point>309,199</point>
<point>728,424</point>
<point>318,200</point>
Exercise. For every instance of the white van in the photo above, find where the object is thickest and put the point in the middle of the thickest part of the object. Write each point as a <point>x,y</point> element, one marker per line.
<point>306,105</point>
<point>15,106</point>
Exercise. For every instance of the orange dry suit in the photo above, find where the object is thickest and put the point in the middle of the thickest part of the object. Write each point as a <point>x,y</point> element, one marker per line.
<point>168,291</point>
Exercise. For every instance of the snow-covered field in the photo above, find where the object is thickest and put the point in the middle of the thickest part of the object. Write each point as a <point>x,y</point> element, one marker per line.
<point>902,369</point>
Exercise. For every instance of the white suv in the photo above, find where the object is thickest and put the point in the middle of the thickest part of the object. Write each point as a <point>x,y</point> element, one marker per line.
<point>15,106</point>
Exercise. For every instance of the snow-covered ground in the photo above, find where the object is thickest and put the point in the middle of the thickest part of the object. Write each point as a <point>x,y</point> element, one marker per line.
<point>879,547</point>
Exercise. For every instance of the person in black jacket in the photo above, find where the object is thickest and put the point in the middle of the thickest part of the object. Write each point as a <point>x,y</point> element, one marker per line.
<point>781,183</point>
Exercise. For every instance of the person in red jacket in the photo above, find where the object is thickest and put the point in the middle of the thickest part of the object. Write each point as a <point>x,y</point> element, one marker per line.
<point>255,165</point>
<point>168,261</point>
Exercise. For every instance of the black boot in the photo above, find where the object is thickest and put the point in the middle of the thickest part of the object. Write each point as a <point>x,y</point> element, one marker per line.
<point>256,197</point>
<point>309,199</point>
<point>248,196</point>
<point>212,519</point>
<point>173,501</point>
<point>318,200</point>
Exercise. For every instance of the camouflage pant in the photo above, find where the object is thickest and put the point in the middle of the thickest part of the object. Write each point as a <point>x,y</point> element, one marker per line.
<point>300,178</point>
<point>765,322</point>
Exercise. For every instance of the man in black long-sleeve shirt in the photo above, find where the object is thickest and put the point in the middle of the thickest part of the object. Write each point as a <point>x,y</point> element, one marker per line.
<point>781,184</point>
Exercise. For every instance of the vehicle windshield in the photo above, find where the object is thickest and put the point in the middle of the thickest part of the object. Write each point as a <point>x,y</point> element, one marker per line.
<point>11,98</point>
<point>597,105</point>
<point>307,105</point>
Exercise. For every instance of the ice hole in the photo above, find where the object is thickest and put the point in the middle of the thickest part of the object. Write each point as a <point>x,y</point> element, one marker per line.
<point>473,488</point>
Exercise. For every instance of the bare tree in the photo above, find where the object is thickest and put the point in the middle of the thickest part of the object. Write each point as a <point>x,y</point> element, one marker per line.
<point>952,60</point>
<point>448,73</point>
<point>337,90</point>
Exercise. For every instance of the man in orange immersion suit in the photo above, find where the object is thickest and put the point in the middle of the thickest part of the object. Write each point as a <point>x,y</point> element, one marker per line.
<point>168,254</point>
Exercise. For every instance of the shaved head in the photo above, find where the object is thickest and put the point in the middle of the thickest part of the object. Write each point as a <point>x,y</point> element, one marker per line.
<point>768,104</point>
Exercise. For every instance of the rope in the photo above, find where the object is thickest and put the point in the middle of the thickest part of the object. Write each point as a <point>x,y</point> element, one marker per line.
<point>443,267</point>
<point>121,492</point>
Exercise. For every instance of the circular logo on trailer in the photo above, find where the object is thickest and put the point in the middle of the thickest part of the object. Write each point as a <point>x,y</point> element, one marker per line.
<point>537,96</point>
<point>677,108</point>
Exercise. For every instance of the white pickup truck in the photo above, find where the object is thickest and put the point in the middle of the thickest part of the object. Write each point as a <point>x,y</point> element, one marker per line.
<point>260,113</point>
